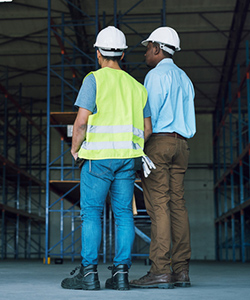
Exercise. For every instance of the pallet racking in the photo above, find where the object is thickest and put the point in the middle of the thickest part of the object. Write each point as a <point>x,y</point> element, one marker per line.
<point>22,189</point>
<point>232,170</point>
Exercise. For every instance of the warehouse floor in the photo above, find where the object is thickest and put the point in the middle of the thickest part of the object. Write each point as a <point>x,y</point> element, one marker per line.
<point>210,280</point>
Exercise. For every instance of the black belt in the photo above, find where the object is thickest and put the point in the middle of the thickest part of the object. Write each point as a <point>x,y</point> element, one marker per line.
<point>173,134</point>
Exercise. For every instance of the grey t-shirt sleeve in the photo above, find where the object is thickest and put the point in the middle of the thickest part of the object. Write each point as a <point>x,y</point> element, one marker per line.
<point>86,97</point>
<point>146,110</point>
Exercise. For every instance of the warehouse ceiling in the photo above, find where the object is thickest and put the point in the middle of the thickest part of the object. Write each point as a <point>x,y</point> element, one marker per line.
<point>213,37</point>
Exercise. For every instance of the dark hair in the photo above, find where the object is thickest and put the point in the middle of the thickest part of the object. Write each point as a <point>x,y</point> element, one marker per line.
<point>113,58</point>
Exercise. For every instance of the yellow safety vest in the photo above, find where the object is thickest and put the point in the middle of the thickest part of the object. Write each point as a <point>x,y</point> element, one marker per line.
<point>117,129</point>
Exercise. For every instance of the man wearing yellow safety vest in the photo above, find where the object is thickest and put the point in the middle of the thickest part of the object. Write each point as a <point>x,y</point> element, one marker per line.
<point>112,124</point>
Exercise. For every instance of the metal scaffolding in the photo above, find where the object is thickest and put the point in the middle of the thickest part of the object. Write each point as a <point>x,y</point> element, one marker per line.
<point>232,170</point>
<point>22,202</point>
<point>62,176</point>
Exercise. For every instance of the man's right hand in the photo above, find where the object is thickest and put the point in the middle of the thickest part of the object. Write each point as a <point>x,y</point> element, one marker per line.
<point>80,162</point>
<point>74,154</point>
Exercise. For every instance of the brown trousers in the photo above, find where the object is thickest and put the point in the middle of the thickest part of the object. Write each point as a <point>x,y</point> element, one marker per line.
<point>164,199</point>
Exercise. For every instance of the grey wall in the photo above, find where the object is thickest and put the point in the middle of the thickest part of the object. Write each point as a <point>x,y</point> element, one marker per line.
<point>199,190</point>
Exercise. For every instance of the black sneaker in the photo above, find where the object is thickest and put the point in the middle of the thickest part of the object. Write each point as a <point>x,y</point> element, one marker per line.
<point>86,279</point>
<point>119,279</point>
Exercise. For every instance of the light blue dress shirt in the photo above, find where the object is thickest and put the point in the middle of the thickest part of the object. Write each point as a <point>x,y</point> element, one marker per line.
<point>171,99</point>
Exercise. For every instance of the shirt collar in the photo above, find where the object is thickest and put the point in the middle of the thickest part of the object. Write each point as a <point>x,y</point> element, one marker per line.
<point>165,61</point>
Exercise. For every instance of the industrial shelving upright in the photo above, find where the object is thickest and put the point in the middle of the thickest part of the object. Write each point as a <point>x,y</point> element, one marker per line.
<point>62,176</point>
<point>232,169</point>
<point>22,204</point>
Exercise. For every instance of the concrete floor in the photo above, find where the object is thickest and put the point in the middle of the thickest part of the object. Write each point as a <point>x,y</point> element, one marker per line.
<point>210,280</point>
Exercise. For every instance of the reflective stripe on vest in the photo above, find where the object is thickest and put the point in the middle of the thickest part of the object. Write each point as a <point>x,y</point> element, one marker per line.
<point>115,129</point>
<point>110,145</point>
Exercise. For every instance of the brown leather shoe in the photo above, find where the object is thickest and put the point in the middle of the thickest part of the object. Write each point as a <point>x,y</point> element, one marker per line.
<point>181,279</point>
<point>162,281</point>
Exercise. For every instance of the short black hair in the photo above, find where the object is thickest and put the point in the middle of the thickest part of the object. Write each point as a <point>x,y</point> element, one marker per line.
<point>113,58</point>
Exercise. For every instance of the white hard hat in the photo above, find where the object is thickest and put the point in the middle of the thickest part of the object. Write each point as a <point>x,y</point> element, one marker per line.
<point>165,36</point>
<point>110,39</point>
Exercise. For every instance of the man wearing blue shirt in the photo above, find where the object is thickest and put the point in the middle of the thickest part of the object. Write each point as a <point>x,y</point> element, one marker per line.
<point>171,100</point>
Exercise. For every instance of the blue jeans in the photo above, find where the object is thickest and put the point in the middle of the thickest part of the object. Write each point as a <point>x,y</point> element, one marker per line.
<point>98,177</point>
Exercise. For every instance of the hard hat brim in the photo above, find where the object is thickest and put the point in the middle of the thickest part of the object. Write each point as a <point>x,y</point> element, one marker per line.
<point>110,52</point>
<point>108,48</point>
<point>145,43</point>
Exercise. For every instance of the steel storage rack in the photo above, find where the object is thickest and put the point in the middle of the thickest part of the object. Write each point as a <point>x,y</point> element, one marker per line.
<point>22,201</point>
<point>62,176</point>
<point>232,170</point>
